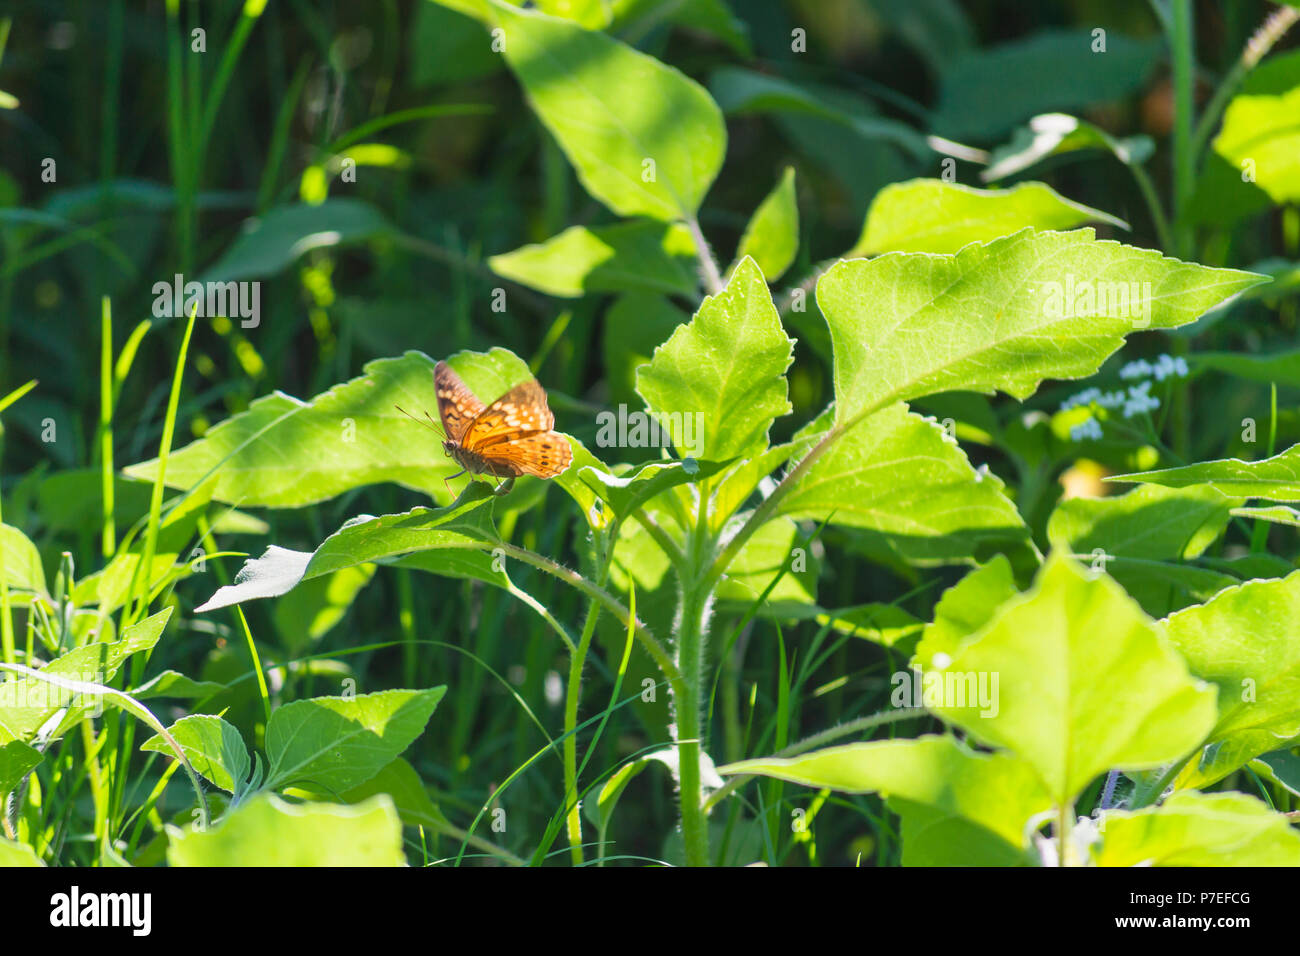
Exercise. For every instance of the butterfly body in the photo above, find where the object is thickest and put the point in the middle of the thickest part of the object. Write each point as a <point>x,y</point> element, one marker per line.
<point>513,436</point>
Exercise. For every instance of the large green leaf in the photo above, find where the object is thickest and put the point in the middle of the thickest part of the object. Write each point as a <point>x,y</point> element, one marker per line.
<point>1260,132</point>
<point>965,608</point>
<point>635,325</point>
<point>930,215</point>
<point>1276,478</point>
<point>743,92</point>
<point>772,237</point>
<point>1085,683</point>
<point>1199,829</point>
<point>286,453</point>
<point>1002,315</point>
<point>16,761</point>
<point>27,703</point>
<point>987,91</point>
<point>724,373</point>
<point>365,539</point>
<point>274,241</point>
<point>267,831</point>
<point>644,139</point>
<point>644,256</point>
<point>900,478</point>
<point>997,791</point>
<point>17,854</point>
<point>1247,641</point>
<point>20,562</point>
<point>341,742</point>
<point>211,745</point>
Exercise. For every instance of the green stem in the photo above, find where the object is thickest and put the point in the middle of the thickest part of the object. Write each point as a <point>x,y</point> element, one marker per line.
<point>1263,40</point>
<point>693,614</point>
<point>1181,49</point>
<point>1064,845</point>
<point>708,265</point>
<point>572,698</point>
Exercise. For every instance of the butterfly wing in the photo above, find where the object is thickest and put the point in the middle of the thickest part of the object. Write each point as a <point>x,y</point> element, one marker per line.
<point>517,413</point>
<point>457,405</point>
<point>540,454</point>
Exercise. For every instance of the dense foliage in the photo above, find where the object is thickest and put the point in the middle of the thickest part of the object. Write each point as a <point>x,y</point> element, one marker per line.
<point>850,559</point>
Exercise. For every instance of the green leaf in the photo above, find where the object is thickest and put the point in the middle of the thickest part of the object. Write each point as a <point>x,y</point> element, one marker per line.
<point>1139,536</point>
<point>449,47</point>
<point>987,91</point>
<point>17,854</point>
<point>1146,522</point>
<point>34,701</point>
<point>722,377</point>
<point>16,761</point>
<point>772,237</point>
<point>900,478</point>
<point>273,242</point>
<point>399,781</point>
<point>1085,683</point>
<point>769,552</point>
<point>641,256</point>
<point>267,831</point>
<point>1247,641</point>
<point>1280,766</point>
<point>362,540</point>
<point>965,609</point>
<point>1003,315</point>
<point>601,810</point>
<point>643,138</point>
<point>1260,135</point>
<point>1276,478</point>
<point>885,624</point>
<point>312,609</point>
<point>997,791</point>
<point>285,453</point>
<point>20,562</point>
<point>634,326</point>
<point>1052,134</point>
<point>341,742</point>
<point>628,492</point>
<point>930,215</point>
<point>212,746</point>
<point>1199,829</point>
<point>1277,514</point>
<point>1282,367</point>
<point>745,92</point>
<point>173,684</point>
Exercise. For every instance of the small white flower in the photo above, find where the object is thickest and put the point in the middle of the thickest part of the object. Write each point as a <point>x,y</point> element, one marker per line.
<point>1136,369</point>
<point>1090,429</point>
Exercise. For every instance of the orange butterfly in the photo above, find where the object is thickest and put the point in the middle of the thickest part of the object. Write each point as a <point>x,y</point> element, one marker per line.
<point>511,437</point>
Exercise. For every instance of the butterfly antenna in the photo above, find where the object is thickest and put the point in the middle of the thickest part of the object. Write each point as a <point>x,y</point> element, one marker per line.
<point>429,424</point>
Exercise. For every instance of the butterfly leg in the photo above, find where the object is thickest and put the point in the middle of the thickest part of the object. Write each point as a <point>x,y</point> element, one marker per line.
<point>505,487</point>
<point>445,482</point>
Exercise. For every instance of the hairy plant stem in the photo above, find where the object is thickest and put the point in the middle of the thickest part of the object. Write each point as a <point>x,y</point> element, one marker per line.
<point>708,265</point>
<point>694,608</point>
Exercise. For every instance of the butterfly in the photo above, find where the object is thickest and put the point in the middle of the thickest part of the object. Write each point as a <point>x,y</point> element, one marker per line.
<point>511,437</point>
